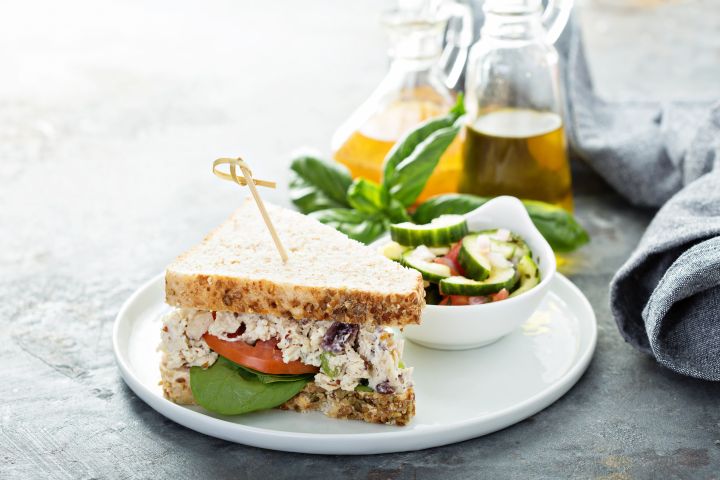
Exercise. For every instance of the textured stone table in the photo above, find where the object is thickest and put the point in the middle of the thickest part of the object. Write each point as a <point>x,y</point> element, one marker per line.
<point>109,116</point>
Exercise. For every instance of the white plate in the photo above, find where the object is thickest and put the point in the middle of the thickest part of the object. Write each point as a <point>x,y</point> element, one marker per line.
<point>460,394</point>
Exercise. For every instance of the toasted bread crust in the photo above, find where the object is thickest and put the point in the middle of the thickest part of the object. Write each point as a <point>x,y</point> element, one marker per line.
<point>366,406</point>
<point>219,293</point>
<point>327,276</point>
<point>370,407</point>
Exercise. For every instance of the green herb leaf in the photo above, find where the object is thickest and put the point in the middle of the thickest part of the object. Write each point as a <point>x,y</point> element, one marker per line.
<point>406,145</point>
<point>396,212</point>
<point>272,378</point>
<point>325,365</point>
<point>316,184</point>
<point>559,227</point>
<point>451,203</point>
<point>363,388</point>
<point>367,196</point>
<point>227,389</point>
<point>357,225</point>
<point>408,178</point>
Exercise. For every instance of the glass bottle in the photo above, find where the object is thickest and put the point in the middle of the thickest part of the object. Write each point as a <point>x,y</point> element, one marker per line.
<point>417,86</point>
<point>515,140</point>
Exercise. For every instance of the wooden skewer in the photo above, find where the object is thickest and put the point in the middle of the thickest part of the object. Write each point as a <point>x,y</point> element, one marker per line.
<point>249,181</point>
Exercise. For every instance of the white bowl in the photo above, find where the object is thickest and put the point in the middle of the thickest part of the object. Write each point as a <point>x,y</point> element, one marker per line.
<point>449,327</point>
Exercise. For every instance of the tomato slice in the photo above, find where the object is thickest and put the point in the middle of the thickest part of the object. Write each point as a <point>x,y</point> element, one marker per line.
<point>264,356</point>
<point>452,255</point>
<point>501,295</point>
<point>459,300</point>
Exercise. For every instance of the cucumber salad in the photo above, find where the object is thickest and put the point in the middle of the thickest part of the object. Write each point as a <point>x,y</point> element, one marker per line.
<point>461,267</point>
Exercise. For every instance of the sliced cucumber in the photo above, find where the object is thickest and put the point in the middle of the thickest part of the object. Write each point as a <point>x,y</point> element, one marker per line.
<point>473,258</point>
<point>499,279</point>
<point>529,275</point>
<point>393,250</point>
<point>506,249</point>
<point>421,259</point>
<point>442,231</point>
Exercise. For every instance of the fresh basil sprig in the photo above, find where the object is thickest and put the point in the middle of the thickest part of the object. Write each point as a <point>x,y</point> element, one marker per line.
<point>230,389</point>
<point>559,228</point>
<point>363,209</point>
<point>317,184</point>
<point>413,158</point>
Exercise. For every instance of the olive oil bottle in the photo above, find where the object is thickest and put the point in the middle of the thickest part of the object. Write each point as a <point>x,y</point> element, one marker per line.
<point>518,152</point>
<point>515,141</point>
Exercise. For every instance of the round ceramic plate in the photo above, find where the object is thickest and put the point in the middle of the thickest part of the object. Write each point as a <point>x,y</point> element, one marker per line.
<point>460,394</point>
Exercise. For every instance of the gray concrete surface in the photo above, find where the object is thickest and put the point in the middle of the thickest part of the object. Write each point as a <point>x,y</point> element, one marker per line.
<point>109,116</point>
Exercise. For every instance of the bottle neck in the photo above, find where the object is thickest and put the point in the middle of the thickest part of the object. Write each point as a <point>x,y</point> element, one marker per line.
<point>415,41</point>
<point>519,20</point>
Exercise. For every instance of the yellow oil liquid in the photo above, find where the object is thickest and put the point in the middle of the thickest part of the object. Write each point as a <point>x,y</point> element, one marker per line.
<point>364,151</point>
<point>518,152</point>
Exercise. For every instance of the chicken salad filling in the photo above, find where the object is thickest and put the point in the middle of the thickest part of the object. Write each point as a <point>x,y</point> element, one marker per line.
<point>349,356</point>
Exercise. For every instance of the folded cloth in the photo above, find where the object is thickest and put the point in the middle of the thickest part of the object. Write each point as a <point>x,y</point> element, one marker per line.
<point>666,298</point>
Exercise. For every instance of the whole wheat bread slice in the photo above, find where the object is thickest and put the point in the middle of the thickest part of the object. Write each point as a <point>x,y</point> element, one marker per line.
<point>328,276</point>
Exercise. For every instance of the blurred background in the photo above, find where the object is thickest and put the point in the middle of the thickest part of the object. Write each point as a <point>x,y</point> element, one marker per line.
<point>110,107</point>
<point>111,114</point>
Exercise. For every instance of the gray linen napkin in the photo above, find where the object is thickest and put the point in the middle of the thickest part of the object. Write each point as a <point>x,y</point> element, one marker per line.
<point>666,297</point>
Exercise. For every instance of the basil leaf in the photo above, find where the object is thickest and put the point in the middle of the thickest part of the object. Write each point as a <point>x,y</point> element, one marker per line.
<point>406,145</point>
<point>357,225</point>
<point>451,203</point>
<point>226,389</point>
<point>317,184</point>
<point>396,212</point>
<point>367,196</point>
<point>560,229</point>
<point>308,198</point>
<point>409,177</point>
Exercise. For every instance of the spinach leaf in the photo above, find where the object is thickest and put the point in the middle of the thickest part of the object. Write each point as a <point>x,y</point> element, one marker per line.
<point>272,378</point>
<point>406,145</point>
<point>409,177</point>
<point>367,196</point>
<point>559,227</point>
<point>317,184</point>
<point>227,389</point>
<point>357,225</point>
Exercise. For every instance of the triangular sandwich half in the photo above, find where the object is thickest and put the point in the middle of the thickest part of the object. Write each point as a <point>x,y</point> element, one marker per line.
<point>250,332</point>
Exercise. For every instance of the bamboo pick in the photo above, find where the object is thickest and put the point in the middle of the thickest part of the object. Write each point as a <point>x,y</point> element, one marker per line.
<point>249,181</point>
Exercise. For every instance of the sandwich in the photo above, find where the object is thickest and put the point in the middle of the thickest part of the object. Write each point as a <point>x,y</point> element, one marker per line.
<point>249,332</point>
